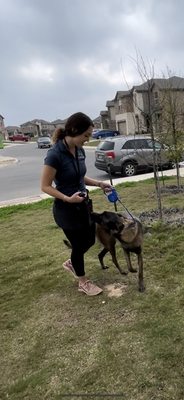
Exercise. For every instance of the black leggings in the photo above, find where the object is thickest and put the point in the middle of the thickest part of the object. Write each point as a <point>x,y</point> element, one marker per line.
<point>81,240</point>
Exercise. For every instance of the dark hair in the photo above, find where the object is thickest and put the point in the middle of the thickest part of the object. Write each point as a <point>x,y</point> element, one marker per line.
<point>76,124</point>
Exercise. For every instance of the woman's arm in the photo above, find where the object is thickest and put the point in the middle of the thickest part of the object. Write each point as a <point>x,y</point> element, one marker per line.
<point>93,182</point>
<point>47,178</point>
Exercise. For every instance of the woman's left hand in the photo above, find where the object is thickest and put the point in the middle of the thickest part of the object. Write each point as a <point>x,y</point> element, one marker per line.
<point>106,187</point>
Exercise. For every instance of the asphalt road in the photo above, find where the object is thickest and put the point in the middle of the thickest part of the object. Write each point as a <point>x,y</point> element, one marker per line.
<point>23,178</point>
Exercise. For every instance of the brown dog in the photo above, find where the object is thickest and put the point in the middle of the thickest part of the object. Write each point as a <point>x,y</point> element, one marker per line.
<point>128,231</point>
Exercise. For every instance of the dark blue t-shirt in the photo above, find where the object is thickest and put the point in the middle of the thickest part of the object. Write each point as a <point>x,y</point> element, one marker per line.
<point>70,170</point>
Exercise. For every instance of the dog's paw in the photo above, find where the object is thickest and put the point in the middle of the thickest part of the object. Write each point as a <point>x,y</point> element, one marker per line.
<point>133,270</point>
<point>141,288</point>
<point>105,267</point>
<point>123,273</point>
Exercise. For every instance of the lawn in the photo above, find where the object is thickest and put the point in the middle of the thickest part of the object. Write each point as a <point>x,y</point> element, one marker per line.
<point>57,343</point>
<point>93,143</point>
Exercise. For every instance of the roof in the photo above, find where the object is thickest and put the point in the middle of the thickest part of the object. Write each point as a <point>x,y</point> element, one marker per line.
<point>173,82</point>
<point>36,121</point>
<point>27,123</point>
<point>41,121</point>
<point>122,93</point>
<point>97,119</point>
<point>110,103</point>
<point>104,112</point>
<point>13,127</point>
<point>59,121</point>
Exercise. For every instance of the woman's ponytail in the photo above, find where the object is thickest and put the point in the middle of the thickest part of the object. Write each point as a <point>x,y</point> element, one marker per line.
<point>58,134</point>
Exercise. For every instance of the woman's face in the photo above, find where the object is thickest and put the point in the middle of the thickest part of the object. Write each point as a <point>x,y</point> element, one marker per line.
<point>84,137</point>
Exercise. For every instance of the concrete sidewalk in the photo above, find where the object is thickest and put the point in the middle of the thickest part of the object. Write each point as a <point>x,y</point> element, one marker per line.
<point>136,178</point>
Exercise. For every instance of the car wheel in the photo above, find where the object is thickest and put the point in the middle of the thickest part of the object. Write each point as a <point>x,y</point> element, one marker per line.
<point>172,165</point>
<point>129,169</point>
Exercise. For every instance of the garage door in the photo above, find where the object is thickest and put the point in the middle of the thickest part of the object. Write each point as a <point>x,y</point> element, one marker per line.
<point>122,127</point>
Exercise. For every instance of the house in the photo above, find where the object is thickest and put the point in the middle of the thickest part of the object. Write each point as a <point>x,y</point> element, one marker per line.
<point>37,127</point>
<point>13,130</point>
<point>108,118</point>
<point>147,106</point>
<point>97,122</point>
<point>3,130</point>
<point>59,123</point>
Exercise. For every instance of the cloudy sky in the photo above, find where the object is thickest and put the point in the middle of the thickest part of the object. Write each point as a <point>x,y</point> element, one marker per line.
<point>62,56</point>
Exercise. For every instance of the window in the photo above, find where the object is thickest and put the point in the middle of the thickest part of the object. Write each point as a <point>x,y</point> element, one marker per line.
<point>120,105</point>
<point>136,144</point>
<point>158,146</point>
<point>156,98</point>
<point>106,146</point>
<point>129,145</point>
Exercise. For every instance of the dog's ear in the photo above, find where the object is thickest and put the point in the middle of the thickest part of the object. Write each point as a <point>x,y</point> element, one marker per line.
<point>110,220</point>
<point>108,216</point>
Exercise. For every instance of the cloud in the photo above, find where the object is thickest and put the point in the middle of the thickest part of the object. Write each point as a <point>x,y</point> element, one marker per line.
<point>99,72</point>
<point>37,71</point>
<point>66,55</point>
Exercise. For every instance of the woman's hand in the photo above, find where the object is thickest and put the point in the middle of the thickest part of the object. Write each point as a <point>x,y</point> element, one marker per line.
<point>76,197</point>
<point>106,187</point>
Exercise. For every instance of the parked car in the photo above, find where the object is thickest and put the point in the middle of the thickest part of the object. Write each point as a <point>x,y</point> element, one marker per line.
<point>129,154</point>
<point>103,133</point>
<point>20,137</point>
<point>44,141</point>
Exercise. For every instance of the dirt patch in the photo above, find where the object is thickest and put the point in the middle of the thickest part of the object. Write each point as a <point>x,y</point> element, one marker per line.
<point>116,289</point>
<point>173,215</point>
<point>172,189</point>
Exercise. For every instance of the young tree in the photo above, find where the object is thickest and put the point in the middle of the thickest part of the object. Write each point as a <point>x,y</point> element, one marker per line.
<point>146,72</point>
<point>172,103</point>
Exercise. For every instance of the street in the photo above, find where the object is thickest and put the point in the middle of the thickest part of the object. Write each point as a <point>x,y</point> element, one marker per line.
<point>23,178</point>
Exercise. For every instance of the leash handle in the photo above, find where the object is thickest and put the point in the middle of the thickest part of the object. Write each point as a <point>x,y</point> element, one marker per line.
<point>113,197</point>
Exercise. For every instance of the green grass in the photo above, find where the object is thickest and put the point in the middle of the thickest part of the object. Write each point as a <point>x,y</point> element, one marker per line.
<point>57,341</point>
<point>1,142</point>
<point>93,143</point>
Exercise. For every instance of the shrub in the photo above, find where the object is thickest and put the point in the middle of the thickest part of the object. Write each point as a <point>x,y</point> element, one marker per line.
<point>1,142</point>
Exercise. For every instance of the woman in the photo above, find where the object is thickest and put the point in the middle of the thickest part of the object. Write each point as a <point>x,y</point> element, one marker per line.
<point>65,167</point>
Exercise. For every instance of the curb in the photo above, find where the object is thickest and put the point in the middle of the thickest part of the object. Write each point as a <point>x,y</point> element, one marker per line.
<point>4,161</point>
<point>23,200</point>
<point>7,160</point>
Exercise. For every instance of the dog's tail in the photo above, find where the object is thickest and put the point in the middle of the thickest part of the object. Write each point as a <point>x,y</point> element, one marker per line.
<point>68,244</point>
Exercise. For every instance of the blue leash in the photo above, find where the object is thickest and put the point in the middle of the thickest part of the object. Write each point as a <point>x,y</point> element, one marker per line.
<point>113,197</point>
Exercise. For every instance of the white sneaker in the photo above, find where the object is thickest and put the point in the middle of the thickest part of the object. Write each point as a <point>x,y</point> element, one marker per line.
<point>89,288</point>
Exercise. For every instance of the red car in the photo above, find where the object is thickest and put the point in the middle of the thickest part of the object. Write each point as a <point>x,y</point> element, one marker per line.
<point>20,137</point>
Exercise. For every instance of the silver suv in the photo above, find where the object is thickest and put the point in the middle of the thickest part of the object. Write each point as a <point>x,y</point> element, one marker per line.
<point>129,154</point>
